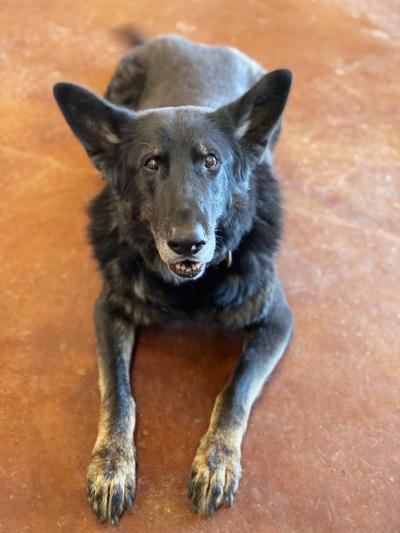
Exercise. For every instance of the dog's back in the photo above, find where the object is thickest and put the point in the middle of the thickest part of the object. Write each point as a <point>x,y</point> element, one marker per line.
<point>172,71</point>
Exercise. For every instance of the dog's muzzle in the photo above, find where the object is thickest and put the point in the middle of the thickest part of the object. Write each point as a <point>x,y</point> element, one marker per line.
<point>188,260</point>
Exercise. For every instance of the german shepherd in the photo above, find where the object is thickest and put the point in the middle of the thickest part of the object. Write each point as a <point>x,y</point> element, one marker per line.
<point>186,228</point>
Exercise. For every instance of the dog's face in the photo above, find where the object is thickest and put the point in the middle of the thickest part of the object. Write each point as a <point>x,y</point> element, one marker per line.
<point>179,163</point>
<point>179,171</point>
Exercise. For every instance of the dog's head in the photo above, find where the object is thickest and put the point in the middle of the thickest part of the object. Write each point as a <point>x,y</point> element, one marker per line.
<point>181,171</point>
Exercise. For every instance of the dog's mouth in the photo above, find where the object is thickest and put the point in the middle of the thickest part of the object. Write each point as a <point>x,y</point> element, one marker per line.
<point>187,269</point>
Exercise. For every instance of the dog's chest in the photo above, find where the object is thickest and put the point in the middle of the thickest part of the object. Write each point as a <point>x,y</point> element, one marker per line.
<point>148,307</point>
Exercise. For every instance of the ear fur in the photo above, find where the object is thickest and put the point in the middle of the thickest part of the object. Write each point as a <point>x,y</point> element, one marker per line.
<point>256,115</point>
<point>95,122</point>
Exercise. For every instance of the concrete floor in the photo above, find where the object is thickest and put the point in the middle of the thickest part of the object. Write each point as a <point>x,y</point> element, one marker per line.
<point>322,452</point>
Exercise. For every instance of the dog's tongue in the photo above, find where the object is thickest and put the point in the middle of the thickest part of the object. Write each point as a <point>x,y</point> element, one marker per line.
<point>186,269</point>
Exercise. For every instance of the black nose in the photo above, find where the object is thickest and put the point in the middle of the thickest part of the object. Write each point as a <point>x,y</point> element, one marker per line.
<point>187,240</point>
<point>186,246</point>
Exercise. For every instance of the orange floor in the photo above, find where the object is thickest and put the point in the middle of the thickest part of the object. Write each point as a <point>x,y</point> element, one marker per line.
<point>322,452</point>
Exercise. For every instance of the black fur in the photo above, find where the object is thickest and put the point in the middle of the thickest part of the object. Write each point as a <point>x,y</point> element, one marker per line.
<point>196,166</point>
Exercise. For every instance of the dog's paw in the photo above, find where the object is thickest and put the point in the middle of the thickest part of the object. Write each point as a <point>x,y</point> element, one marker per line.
<point>215,473</point>
<point>111,481</point>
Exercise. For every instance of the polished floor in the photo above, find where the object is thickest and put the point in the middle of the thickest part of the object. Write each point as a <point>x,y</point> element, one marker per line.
<point>322,454</point>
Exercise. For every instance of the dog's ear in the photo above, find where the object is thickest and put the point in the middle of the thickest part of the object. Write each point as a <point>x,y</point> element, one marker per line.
<point>95,122</point>
<point>256,114</point>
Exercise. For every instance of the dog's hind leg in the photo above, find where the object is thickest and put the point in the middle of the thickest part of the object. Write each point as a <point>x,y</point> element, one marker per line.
<point>216,468</point>
<point>126,85</point>
<point>111,473</point>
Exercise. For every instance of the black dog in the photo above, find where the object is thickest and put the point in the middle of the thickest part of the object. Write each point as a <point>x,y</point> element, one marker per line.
<point>185,229</point>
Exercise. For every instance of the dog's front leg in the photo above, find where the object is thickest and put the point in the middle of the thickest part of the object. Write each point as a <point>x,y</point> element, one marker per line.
<point>216,468</point>
<point>111,473</point>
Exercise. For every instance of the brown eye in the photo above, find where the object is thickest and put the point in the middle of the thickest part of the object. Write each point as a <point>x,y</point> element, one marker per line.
<point>151,164</point>
<point>211,161</point>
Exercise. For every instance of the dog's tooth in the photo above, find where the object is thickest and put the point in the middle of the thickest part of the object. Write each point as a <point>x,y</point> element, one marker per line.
<point>187,269</point>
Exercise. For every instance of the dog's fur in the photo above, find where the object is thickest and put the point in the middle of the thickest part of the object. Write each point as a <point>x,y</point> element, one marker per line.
<point>183,138</point>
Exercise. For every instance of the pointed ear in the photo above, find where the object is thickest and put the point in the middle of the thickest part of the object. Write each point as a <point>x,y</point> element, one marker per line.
<point>95,122</point>
<point>256,114</point>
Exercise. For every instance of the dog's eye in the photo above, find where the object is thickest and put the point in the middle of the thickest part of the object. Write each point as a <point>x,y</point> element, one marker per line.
<point>151,164</point>
<point>211,161</point>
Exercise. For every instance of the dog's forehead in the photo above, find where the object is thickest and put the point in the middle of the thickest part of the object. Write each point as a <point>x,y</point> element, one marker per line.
<point>168,127</point>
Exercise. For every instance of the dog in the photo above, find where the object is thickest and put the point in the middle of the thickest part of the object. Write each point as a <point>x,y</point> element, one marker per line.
<point>186,229</point>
